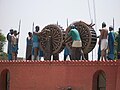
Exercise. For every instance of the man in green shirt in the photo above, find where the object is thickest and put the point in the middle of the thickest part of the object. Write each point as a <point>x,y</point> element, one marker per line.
<point>76,51</point>
<point>74,34</point>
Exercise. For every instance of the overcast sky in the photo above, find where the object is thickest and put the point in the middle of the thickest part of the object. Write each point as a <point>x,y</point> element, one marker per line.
<point>45,12</point>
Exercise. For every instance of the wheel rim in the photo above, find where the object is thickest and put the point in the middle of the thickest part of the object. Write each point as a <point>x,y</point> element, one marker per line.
<point>56,37</point>
<point>87,34</point>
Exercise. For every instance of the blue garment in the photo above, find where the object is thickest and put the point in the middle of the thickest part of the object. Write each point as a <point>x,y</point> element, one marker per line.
<point>35,44</point>
<point>29,42</point>
<point>9,38</point>
<point>9,50</point>
<point>29,49</point>
<point>9,56</point>
<point>32,51</point>
<point>35,41</point>
<point>15,48</point>
<point>41,54</point>
<point>111,40</point>
<point>99,52</point>
<point>66,51</point>
<point>99,49</point>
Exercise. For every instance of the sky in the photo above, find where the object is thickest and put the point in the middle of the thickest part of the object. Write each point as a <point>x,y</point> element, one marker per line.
<point>45,12</point>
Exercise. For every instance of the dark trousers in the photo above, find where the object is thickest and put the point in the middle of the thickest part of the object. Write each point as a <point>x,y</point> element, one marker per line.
<point>76,53</point>
<point>118,55</point>
<point>29,57</point>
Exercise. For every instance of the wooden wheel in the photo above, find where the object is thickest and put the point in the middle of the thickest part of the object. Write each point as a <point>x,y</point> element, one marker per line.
<point>55,32</point>
<point>87,34</point>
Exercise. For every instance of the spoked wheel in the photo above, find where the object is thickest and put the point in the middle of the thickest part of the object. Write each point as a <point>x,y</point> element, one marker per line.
<point>87,34</point>
<point>56,35</point>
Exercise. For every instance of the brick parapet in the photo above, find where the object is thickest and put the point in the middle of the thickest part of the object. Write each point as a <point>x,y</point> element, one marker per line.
<point>55,75</point>
<point>57,62</point>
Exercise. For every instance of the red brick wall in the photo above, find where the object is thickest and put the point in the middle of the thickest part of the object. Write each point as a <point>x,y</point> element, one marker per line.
<point>58,75</point>
<point>118,79</point>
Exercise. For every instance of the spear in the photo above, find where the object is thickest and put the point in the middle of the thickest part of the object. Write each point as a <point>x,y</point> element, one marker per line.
<point>18,34</point>
<point>57,22</point>
<point>67,22</point>
<point>33,27</point>
<point>113,24</point>
<point>19,29</point>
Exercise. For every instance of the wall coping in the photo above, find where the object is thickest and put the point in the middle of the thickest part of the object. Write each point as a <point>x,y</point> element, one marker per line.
<point>57,62</point>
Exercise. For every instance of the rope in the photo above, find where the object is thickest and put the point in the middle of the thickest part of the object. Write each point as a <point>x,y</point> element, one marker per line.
<point>89,11</point>
<point>90,19</point>
<point>95,18</point>
<point>94,14</point>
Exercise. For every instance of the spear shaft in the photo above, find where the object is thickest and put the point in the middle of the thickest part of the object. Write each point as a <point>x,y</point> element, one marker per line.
<point>67,22</point>
<point>19,29</point>
<point>113,24</point>
<point>33,28</point>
